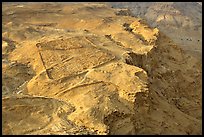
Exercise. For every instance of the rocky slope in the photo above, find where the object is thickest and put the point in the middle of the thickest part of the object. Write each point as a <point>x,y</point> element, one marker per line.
<point>181,21</point>
<point>84,69</point>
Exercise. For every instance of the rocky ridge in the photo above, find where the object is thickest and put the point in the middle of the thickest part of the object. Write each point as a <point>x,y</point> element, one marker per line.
<point>73,73</point>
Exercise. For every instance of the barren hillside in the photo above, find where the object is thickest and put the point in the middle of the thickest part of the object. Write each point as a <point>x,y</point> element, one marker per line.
<point>181,21</point>
<point>85,69</point>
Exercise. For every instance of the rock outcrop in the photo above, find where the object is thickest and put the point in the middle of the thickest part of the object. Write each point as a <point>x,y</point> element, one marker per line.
<point>95,72</point>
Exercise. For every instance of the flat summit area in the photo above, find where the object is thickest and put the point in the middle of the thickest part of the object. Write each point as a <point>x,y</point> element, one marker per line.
<point>88,68</point>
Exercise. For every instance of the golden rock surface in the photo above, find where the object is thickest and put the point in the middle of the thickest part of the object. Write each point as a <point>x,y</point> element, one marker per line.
<point>83,69</point>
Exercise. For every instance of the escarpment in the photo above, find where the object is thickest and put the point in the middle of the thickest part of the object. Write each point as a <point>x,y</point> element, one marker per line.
<point>95,72</point>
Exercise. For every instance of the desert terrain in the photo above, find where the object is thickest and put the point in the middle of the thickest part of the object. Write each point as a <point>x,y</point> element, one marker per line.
<point>86,69</point>
<point>181,21</point>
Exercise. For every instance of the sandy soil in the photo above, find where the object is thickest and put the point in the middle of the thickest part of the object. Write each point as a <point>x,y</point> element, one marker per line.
<point>83,69</point>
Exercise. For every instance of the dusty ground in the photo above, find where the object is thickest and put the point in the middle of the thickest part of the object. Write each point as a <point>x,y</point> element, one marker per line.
<point>83,69</point>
